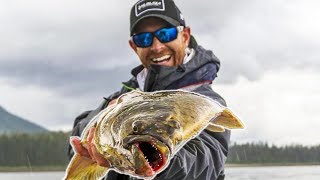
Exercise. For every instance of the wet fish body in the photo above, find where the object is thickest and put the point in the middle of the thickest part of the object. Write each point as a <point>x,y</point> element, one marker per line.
<point>142,131</point>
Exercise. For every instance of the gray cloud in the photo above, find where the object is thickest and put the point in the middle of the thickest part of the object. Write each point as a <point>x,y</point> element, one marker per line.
<point>66,47</point>
<point>70,46</point>
<point>252,37</point>
<point>65,79</point>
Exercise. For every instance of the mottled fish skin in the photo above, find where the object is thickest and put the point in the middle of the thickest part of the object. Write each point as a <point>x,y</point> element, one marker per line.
<point>141,132</point>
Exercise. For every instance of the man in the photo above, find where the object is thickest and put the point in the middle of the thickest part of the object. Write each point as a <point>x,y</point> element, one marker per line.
<point>171,59</point>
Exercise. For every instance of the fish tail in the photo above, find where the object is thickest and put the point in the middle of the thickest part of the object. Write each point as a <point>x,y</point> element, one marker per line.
<point>83,168</point>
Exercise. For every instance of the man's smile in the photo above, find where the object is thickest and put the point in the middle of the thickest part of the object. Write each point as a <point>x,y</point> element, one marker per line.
<point>161,60</point>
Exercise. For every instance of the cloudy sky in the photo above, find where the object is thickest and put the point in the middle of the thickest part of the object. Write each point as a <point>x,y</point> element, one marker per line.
<point>59,58</point>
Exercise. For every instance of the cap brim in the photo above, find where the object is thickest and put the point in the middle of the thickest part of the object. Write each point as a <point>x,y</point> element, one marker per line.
<point>170,20</point>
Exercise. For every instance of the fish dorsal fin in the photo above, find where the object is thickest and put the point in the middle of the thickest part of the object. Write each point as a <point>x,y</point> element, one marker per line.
<point>128,96</point>
<point>226,119</point>
<point>82,167</point>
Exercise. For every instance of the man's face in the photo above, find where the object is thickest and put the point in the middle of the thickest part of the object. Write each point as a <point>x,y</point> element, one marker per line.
<point>166,54</point>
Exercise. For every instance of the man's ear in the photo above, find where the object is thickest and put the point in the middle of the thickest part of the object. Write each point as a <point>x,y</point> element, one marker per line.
<point>186,35</point>
<point>133,45</point>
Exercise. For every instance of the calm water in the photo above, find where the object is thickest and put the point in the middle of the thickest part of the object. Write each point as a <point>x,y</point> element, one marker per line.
<point>274,173</point>
<point>233,173</point>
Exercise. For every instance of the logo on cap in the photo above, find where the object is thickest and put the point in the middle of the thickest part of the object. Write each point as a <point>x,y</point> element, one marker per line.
<point>149,5</point>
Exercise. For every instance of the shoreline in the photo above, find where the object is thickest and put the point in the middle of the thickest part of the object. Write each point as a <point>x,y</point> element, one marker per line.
<point>32,168</point>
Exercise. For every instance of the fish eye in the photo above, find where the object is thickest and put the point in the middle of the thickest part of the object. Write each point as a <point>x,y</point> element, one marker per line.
<point>137,126</point>
<point>135,129</point>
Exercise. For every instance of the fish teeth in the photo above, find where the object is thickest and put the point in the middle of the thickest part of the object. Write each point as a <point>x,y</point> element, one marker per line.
<point>154,146</point>
<point>160,58</point>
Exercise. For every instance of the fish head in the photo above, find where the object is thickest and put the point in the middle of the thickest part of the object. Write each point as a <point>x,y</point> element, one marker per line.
<point>151,140</point>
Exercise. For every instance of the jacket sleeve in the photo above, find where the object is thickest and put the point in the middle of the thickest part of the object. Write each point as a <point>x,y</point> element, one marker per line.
<point>202,157</point>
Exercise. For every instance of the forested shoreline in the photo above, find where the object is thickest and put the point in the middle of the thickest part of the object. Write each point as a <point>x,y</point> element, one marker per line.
<point>47,151</point>
<point>262,153</point>
<point>28,150</point>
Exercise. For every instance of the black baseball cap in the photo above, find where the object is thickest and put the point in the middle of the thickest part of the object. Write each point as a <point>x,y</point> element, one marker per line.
<point>164,9</point>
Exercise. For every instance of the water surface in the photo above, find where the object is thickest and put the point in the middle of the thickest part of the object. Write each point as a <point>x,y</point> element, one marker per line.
<point>232,173</point>
<point>273,173</point>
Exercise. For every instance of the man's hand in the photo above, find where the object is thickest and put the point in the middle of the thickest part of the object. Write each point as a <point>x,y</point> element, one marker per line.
<point>90,151</point>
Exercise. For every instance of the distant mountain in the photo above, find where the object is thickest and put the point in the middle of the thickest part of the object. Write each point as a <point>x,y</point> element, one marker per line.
<point>10,123</point>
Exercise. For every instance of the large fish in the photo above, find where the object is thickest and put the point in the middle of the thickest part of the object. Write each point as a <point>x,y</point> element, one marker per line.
<point>142,131</point>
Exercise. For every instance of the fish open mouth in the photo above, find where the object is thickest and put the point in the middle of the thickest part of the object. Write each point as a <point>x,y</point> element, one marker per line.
<point>154,158</point>
<point>150,155</point>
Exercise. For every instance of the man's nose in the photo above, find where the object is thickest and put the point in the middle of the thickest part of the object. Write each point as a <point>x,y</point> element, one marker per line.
<point>157,46</point>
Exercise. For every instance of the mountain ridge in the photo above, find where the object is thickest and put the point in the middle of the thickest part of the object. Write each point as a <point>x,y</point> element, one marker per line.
<point>11,123</point>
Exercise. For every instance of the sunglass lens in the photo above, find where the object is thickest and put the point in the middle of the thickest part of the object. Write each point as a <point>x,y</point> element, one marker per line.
<point>165,35</point>
<point>143,39</point>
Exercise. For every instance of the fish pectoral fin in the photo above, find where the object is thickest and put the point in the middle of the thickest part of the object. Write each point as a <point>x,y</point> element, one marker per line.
<point>228,120</point>
<point>82,167</point>
<point>215,128</point>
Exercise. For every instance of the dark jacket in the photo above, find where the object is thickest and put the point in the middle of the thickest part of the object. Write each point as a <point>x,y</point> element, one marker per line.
<point>202,157</point>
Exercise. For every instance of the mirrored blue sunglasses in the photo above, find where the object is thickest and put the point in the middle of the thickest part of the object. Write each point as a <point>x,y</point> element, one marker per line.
<point>164,35</point>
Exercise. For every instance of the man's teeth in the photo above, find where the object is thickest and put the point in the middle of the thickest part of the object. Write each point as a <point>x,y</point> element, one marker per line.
<point>160,58</point>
